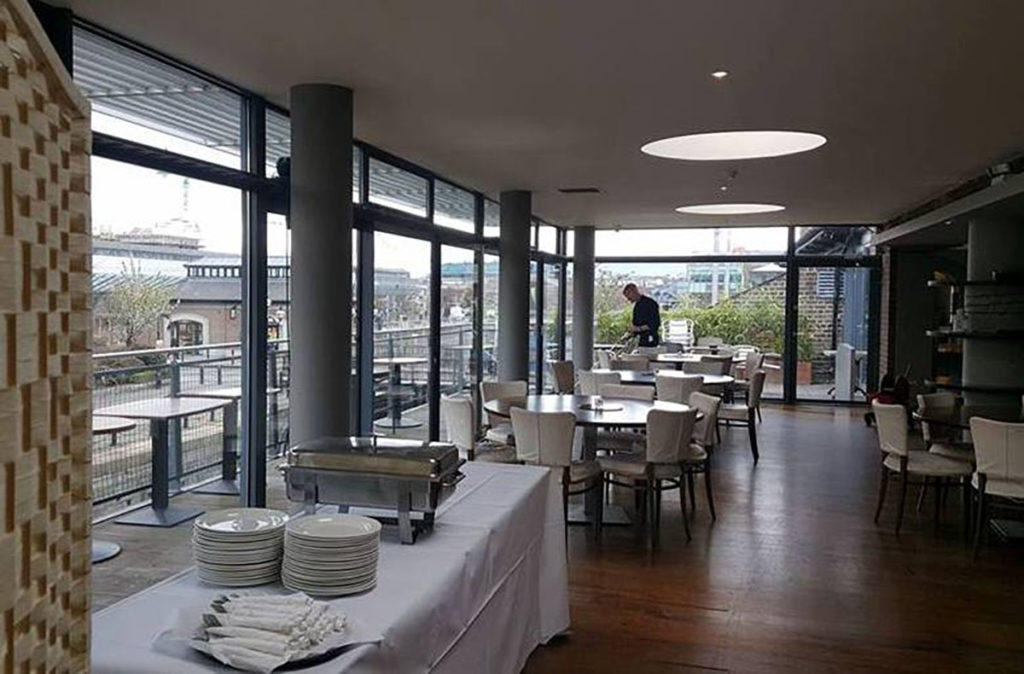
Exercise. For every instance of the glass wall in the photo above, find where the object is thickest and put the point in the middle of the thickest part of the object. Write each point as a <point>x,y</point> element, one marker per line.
<point>454,207</point>
<point>401,328</point>
<point>458,304</point>
<point>552,320</point>
<point>684,242</point>
<point>397,188</point>
<point>535,385</point>
<point>490,318</point>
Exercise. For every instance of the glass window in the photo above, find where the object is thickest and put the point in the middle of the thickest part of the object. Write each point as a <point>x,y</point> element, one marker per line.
<point>490,317</point>
<point>458,304</point>
<point>278,140</point>
<point>552,319</point>
<point>278,333</point>
<point>155,236</point>
<point>535,386</point>
<point>140,98</point>
<point>692,241</point>
<point>454,207</point>
<point>401,345</point>
<point>547,238</point>
<point>492,219</point>
<point>568,309</point>
<point>570,242</point>
<point>835,240</point>
<point>398,189</point>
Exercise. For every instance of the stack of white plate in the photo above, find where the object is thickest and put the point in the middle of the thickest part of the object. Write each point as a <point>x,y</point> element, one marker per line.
<point>240,546</point>
<point>331,554</point>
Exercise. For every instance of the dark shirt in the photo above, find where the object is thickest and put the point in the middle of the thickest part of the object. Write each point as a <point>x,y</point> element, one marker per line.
<point>646,312</point>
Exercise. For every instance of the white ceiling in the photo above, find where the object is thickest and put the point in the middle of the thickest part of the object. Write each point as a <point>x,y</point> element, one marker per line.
<point>914,95</point>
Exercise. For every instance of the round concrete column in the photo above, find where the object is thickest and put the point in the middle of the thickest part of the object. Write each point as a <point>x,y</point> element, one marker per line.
<point>514,287</point>
<point>583,298</point>
<point>993,246</point>
<point>321,264</point>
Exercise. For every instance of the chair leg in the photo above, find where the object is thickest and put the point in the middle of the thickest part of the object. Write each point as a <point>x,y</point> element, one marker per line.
<point>565,511</point>
<point>965,495</point>
<point>707,488</point>
<point>718,432</point>
<point>920,494</point>
<point>759,419</point>
<point>693,497</point>
<point>752,430</point>
<point>881,492</point>
<point>682,506</point>
<point>649,499</point>
<point>903,499</point>
<point>980,524</point>
<point>598,493</point>
<point>938,482</point>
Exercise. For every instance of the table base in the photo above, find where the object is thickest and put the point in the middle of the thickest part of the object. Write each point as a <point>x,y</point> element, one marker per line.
<point>167,517</point>
<point>614,515</point>
<point>104,550</point>
<point>221,487</point>
<point>397,423</point>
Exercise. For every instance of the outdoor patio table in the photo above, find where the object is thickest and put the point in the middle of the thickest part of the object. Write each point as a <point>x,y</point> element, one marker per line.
<point>160,412</point>
<point>104,550</point>
<point>228,484</point>
<point>619,413</point>
<point>395,363</point>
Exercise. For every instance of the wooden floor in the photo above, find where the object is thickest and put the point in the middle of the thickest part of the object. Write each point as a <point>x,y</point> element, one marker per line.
<point>793,577</point>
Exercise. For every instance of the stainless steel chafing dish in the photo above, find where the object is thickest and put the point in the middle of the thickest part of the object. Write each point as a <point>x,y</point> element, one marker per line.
<point>405,476</point>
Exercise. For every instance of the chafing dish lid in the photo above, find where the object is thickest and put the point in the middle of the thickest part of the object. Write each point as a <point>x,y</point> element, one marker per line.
<point>390,456</point>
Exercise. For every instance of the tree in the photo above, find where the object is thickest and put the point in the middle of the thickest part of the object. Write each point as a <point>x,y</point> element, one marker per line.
<point>135,303</point>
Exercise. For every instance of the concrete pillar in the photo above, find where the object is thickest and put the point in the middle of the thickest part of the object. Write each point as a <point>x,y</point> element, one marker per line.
<point>321,264</point>
<point>514,287</point>
<point>583,298</point>
<point>993,246</point>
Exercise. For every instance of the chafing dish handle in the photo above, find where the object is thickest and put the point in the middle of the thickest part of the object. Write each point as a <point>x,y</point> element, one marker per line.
<point>453,480</point>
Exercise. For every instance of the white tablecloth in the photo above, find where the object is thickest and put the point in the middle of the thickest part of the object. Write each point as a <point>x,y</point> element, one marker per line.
<point>477,594</point>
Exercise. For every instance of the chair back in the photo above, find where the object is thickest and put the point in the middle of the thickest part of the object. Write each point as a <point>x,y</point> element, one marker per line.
<point>943,402</point>
<point>754,360</point>
<point>565,376</point>
<point>998,449</point>
<point>637,362</point>
<point>496,390</point>
<point>675,388</point>
<point>645,393</point>
<point>543,438</point>
<point>704,429</point>
<point>457,415</point>
<point>893,435</point>
<point>756,388</point>
<point>591,381</point>
<point>710,340</point>
<point>680,331</point>
<point>705,366</point>
<point>604,359</point>
<point>668,434</point>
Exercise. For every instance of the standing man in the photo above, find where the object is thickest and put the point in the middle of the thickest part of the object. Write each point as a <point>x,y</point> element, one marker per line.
<point>646,316</point>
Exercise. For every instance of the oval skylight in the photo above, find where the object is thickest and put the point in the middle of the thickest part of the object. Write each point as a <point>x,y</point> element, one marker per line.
<point>729,145</point>
<point>729,209</point>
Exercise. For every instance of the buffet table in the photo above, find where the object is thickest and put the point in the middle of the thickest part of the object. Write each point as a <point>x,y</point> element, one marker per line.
<point>478,593</point>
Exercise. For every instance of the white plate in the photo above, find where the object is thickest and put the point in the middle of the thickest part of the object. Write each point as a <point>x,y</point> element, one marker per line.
<point>238,536</point>
<point>328,581</point>
<point>330,565</point>
<point>329,553</point>
<point>241,521</point>
<point>239,582</point>
<point>333,527</point>
<point>214,558</point>
<point>323,591</point>
<point>255,567</point>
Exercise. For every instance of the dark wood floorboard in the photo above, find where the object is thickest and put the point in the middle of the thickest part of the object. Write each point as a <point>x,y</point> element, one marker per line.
<point>794,576</point>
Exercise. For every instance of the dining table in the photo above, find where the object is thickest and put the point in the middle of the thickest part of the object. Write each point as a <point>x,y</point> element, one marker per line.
<point>160,412</point>
<point>681,359</point>
<point>592,414</point>
<point>102,550</point>
<point>396,392</point>
<point>647,378</point>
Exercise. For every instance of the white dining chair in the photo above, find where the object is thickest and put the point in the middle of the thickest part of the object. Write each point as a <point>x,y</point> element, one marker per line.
<point>637,362</point>
<point>705,366</point>
<point>658,468</point>
<point>743,413</point>
<point>565,376</point>
<point>998,480</point>
<point>591,381</point>
<point>546,439</point>
<point>697,454</point>
<point>676,388</point>
<point>941,439</point>
<point>643,393</point>
<point>459,420</point>
<point>499,429</point>
<point>904,455</point>
<point>622,440</point>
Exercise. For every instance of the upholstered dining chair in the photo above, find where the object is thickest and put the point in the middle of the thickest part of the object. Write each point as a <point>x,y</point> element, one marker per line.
<point>724,361</point>
<point>674,388</point>
<point>658,469</point>
<point>565,376</point>
<point>460,429</point>
<point>636,362</point>
<point>604,359</point>
<point>545,439</point>
<point>697,454</point>
<point>644,393</point>
<point>705,366</point>
<point>743,413</point>
<point>942,439</point>
<point>591,381</point>
<point>904,455</point>
<point>620,440</point>
<point>499,429</point>
<point>998,480</point>
<point>752,362</point>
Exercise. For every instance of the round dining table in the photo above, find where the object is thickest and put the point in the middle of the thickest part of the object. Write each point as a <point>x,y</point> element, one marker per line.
<point>592,413</point>
<point>681,359</point>
<point>645,378</point>
<point>960,417</point>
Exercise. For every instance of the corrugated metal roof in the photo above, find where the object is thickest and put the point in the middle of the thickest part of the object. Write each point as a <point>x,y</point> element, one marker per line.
<point>103,283</point>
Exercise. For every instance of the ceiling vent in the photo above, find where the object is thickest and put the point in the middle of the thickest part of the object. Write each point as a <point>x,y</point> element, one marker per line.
<point>579,190</point>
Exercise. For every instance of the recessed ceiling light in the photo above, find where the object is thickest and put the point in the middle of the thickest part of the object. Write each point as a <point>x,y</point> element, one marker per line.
<point>729,209</point>
<point>725,145</point>
<point>720,74</point>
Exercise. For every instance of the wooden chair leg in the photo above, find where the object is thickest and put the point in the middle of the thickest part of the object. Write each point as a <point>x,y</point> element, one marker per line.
<point>598,493</point>
<point>682,506</point>
<point>903,499</point>
<point>965,495</point>
<point>938,485</point>
<point>980,524</point>
<point>649,499</point>
<point>718,433</point>
<point>759,418</point>
<point>707,488</point>
<point>881,491</point>
<point>920,494</point>
<point>693,496</point>
<point>752,430</point>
